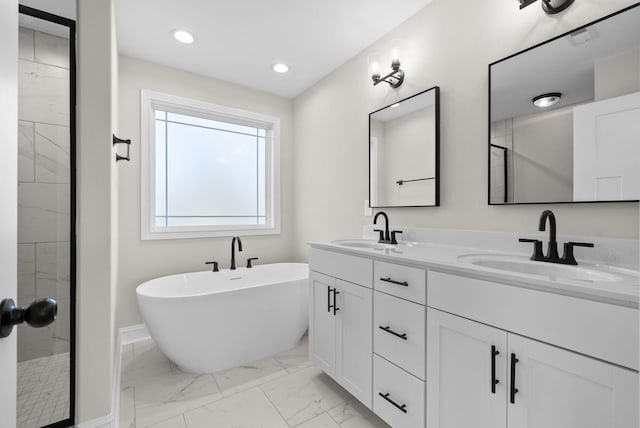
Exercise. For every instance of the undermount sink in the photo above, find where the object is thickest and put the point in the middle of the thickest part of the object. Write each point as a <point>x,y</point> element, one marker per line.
<point>520,264</point>
<point>370,244</point>
<point>364,243</point>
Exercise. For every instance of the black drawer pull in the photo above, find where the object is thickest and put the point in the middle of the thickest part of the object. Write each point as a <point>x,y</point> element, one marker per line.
<point>494,381</point>
<point>335,302</point>
<point>403,408</point>
<point>388,330</point>
<point>403,283</point>
<point>329,305</point>
<point>514,390</point>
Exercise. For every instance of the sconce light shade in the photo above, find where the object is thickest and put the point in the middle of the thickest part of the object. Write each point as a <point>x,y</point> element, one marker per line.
<point>551,7</point>
<point>395,78</point>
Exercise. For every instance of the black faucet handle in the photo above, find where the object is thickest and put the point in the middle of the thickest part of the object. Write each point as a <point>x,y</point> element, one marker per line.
<point>381,232</point>
<point>569,258</point>
<point>393,236</point>
<point>537,248</point>
<point>579,244</point>
<point>249,260</point>
<point>215,265</point>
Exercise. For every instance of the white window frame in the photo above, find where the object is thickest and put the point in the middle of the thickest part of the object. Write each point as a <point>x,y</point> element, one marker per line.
<point>150,101</point>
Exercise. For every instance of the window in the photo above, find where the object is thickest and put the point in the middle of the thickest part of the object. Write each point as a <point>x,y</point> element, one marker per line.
<point>207,170</point>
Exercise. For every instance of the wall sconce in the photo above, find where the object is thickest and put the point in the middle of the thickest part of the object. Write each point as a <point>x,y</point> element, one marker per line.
<point>551,7</point>
<point>396,77</point>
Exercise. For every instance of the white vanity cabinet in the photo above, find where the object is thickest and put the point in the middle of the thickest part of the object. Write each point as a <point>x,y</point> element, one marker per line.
<point>503,379</point>
<point>340,320</point>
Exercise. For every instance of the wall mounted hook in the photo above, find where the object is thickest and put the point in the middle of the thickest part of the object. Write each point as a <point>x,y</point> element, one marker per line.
<point>117,140</point>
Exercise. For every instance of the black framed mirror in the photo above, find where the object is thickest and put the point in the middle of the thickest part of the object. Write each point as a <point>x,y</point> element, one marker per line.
<point>564,117</point>
<point>404,152</point>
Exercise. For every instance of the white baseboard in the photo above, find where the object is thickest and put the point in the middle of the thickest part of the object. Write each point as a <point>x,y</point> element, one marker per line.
<point>134,333</point>
<point>126,336</point>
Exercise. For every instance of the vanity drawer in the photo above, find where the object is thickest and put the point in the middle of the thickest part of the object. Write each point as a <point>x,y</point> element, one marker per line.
<point>403,318</point>
<point>344,266</point>
<point>402,281</point>
<point>601,330</point>
<point>401,388</point>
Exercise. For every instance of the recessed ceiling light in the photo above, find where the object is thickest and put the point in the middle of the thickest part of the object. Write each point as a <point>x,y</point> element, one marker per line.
<point>395,105</point>
<point>546,100</point>
<point>183,36</point>
<point>280,67</point>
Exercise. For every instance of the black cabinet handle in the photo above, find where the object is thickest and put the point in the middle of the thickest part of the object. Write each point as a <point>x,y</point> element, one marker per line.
<point>388,330</point>
<point>329,305</point>
<point>403,283</point>
<point>494,381</point>
<point>335,302</point>
<point>402,408</point>
<point>513,390</point>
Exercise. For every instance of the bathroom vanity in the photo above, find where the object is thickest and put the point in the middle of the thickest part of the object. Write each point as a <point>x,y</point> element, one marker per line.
<point>444,336</point>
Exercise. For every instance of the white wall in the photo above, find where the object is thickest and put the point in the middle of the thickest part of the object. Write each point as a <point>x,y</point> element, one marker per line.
<point>450,44</point>
<point>143,260</point>
<point>96,211</point>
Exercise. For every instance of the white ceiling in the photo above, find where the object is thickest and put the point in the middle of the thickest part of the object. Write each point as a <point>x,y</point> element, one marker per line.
<point>240,40</point>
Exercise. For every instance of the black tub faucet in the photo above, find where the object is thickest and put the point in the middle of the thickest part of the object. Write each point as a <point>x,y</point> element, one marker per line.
<point>233,251</point>
<point>552,249</point>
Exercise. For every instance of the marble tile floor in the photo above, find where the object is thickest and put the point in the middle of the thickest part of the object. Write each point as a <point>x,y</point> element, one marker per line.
<point>43,391</point>
<point>285,391</point>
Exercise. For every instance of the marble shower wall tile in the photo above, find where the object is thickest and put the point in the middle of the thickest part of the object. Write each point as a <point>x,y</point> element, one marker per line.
<point>26,273</point>
<point>61,328</point>
<point>43,212</point>
<point>52,50</point>
<point>43,93</point>
<point>26,41</point>
<point>53,267</point>
<point>26,151</point>
<point>34,342</point>
<point>52,155</point>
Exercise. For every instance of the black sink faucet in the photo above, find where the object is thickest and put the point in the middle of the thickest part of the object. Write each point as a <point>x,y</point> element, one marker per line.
<point>552,252</point>
<point>233,251</point>
<point>552,249</point>
<point>385,236</point>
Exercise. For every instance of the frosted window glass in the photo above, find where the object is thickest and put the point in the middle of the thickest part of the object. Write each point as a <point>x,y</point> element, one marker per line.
<point>207,176</point>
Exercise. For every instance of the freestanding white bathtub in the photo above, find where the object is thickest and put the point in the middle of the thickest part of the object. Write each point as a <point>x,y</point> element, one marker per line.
<point>211,321</point>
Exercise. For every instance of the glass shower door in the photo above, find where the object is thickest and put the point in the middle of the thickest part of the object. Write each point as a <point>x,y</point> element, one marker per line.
<point>46,216</point>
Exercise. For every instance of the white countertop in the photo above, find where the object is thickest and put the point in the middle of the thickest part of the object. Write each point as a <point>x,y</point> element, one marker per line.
<point>625,291</point>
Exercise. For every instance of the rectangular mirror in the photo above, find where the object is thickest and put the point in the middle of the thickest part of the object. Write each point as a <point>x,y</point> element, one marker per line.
<point>404,143</point>
<point>564,117</point>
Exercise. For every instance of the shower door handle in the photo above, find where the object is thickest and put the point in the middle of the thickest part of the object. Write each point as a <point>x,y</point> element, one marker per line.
<point>40,313</point>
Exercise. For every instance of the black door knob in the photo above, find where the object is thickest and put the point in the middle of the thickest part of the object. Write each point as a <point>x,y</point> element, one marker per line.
<point>40,313</point>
